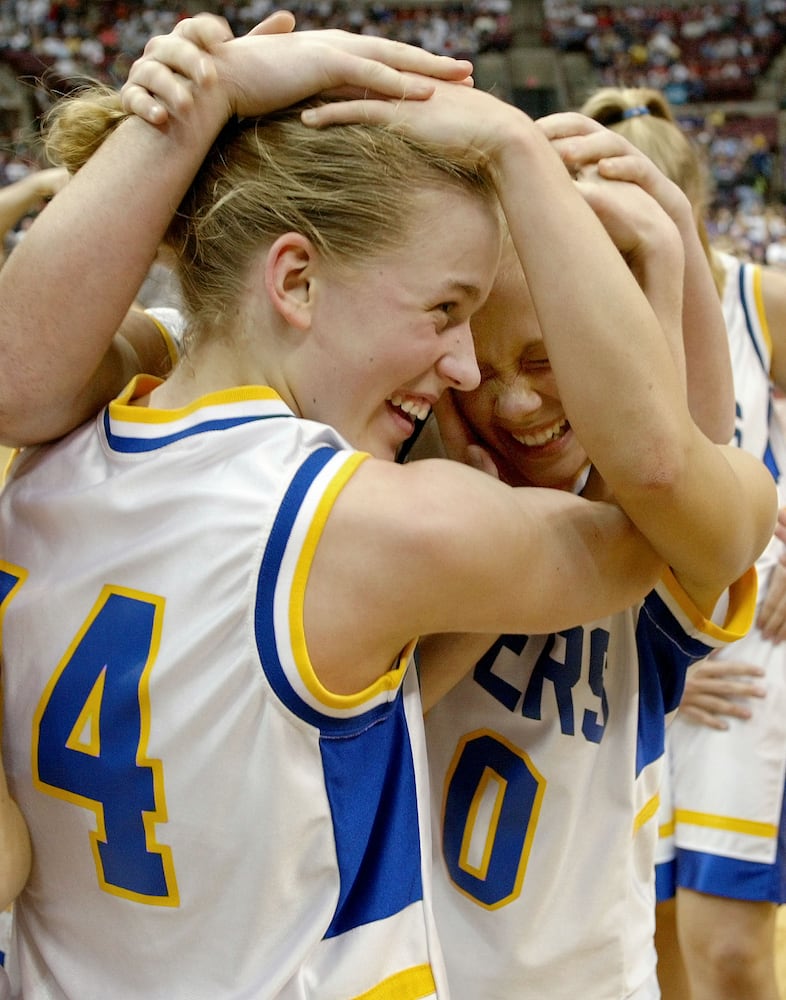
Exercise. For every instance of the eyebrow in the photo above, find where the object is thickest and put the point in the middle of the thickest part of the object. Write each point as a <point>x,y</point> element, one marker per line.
<point>468,290</point>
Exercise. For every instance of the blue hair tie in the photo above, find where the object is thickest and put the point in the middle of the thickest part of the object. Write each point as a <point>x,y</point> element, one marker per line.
<point>635,112</point>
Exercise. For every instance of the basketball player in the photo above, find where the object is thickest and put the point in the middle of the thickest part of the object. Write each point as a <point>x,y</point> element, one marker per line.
<point>217,738</point>
<point>723,838</point>
<point>546,760</point>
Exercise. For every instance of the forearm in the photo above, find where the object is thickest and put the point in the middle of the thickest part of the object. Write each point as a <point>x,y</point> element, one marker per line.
<point>603,337</point>
<point>658,268</point>
<point>16,200</point>
<point>67,287</point>
<point>626,399</point>
<point>710,382</point>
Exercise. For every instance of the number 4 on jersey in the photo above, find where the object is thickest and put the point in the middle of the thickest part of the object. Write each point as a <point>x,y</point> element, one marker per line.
<point>90,735</point>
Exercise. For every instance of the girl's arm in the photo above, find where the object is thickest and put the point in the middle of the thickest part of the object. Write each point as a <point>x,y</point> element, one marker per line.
<point>707,510</point>
<point>21,197</point>
<point>15,853</point>
<point>583,142</point>
<point>66,289</point>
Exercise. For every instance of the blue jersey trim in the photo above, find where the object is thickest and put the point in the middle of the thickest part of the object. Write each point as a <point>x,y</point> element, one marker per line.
<point>748,321</point>
<point>730,877</point>
<point>264,622</point>
<point>665,652</point>
<point>769,456</point>
<point>371,787</point>
<point>137,445</point>
<point>665,881</point>
<point>368,768</point>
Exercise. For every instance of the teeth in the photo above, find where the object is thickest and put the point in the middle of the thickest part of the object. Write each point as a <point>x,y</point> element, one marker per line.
<point>419,411</point>
<point>542,437</point>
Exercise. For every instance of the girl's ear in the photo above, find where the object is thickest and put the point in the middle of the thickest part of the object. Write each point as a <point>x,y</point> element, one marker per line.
<point>289,268</point>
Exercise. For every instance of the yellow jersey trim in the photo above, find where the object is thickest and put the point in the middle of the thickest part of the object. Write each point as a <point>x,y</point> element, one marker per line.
<point>729,823</point>
<point>740,613</point>
<point>410,984</point>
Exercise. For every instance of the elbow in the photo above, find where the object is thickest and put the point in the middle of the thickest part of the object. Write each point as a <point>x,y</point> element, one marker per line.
<point>656,474</point>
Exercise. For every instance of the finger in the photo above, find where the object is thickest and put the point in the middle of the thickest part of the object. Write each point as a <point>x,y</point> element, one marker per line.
<point>567,124</point>
<point>701,718</point>
<point>187,56</point>
<point>722,697</point>
<point>51,180</point>
<point>778,635</point>
<point>720,693</point>
<point>137,101</point>
<point>161,86</point>
<point>715,669</point>
<point>411,59</point>
<point>370,112</point>
<point>280,22</point>
<point>772,614</point>
<point>480,459</point>
<point>632,167</point>
<point>715,705</point>
<point>375,81</point>
<point>359,94</point>
<point>577,151</point>
<point>204,30</point>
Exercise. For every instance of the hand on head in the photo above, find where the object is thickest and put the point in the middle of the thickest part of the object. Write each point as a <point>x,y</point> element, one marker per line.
<point>459,117</point>
<point>633,219</point>
<point>583,143</point>
<point>273,67</point>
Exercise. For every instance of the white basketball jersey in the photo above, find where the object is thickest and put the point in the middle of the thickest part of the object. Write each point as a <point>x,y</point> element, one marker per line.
<point>721,818</point>
<point>207,820</point>
<point>757,428</point>
<point>545,766</point>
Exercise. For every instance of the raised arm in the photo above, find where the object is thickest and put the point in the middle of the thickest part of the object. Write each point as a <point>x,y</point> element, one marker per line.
<point>68,286</point>
<point>523,560</point>
<point>707,510</point>
<point>22,196</point>
<point>582,142</point>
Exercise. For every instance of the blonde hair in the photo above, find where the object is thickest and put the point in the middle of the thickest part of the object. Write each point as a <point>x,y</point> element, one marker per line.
<point>350,189</point>
<point>646,119</point>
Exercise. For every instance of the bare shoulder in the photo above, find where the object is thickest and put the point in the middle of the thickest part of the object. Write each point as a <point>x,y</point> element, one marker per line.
<point>375,582</point>
<point>436,546</point>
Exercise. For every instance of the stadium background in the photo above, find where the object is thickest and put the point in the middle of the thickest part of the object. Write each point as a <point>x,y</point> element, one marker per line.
<point>722,65</point>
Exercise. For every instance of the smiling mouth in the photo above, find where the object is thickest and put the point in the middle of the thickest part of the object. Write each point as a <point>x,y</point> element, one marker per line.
<point>412,408</point>
<point>536,439</point>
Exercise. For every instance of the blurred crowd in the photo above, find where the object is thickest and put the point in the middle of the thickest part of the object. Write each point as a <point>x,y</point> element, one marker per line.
<point>51,45</point>
<point>695,52</point>
<point>85,38</point>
